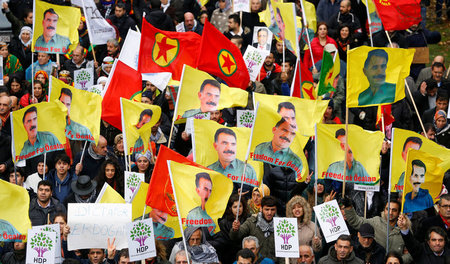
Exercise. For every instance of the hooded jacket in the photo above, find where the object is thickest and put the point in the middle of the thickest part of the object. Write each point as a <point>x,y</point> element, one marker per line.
<point>331,258</point>
<point>61,189</point>
<point>306,227</point>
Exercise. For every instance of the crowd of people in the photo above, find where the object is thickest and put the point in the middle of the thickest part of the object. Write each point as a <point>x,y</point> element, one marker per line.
<point>379,232</point>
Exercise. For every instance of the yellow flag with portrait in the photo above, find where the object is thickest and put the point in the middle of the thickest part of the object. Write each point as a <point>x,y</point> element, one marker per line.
<point>376,76</point>
<point>201,195</point>
<point>38,128</point>
<point>200,93</point>
<point>223,149</point>
<point>137,122</point>
<point>14,219</point>
<point>281,20</point>
<point>424,181</point>
<point>55,28</point>
<point>276,139</point>
<point>83,110</point>
<point>363,158</point>
<point>402,141</point>
<point>307,112</point>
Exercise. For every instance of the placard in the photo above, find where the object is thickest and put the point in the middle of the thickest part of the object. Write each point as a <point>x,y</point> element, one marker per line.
<point>40,247</point>
<point>91,224</point>
<point>331,220</point>
<point>141,239</point>
<point>55,228</point>
<point>286,237</point>
<point>83,78</point>
<point>245,118</point>
<point>241,5</point>
<point>132,181</point>
<point>254,59</point>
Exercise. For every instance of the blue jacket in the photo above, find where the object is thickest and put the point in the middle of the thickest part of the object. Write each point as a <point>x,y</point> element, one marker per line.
<point>61,189</point>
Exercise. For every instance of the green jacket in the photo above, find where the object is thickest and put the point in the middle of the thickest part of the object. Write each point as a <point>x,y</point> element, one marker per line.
<point>249,228</point>
<point>379,225</point>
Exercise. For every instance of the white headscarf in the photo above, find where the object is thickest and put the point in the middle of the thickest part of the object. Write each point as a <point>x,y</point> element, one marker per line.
<point>26,28</point>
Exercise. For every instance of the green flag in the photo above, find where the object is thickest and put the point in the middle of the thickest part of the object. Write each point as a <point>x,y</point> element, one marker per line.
<point>328,72</point>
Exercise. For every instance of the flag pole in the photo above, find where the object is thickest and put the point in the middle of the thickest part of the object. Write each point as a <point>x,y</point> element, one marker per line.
<point>124,137</point>
<point>246,161</point>
<point>178,211</point>
<point>346,150</point>
<point>13,150</point>
<point>370,22</point>
<point>409,92</point>
<point>304,22</point>
<point>89,35</point>
<point>315,181</point>
<point>176,107</point>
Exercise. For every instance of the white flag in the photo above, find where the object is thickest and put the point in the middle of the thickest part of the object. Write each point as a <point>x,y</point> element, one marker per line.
<point>129,54</point>
<point>99,30</point>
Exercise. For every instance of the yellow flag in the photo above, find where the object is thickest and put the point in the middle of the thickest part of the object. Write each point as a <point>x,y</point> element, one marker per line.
<point>402,141</point>
<point>276,137</point>
<point>109,195</point>
<point>424,183</point>
<point>137,122</point>
<point>39,128</point>
<point>201,195</point>
<point>223,149</point>
<point>280,18</point>
<point>83,109</point>
<point>376,76</point>
<point>14,219</point>
<point>363,159</point>
<point>55,27</point>
<point>200,93</point>
<point>307,112</point>
<point>165,226</point>
<point>310,14</point>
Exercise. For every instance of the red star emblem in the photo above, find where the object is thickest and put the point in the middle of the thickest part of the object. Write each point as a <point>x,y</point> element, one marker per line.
<point>164,48</point>
<point>227,62</point>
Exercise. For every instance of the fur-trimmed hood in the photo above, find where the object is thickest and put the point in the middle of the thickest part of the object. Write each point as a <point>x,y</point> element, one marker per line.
<point>307,211</point>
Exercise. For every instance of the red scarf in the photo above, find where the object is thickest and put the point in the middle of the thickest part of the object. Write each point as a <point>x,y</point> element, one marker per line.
<point>447,224</point>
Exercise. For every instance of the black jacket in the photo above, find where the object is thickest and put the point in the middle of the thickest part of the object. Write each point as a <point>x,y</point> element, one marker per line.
<point>39,215</point>
<point>5,154</point>
<point>123,24</point>
<point>421,252</point>
<point>372,255</point>
<point>160,20</point>
<point>281,181</point>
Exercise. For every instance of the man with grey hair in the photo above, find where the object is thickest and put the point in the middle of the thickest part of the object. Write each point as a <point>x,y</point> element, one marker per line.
<point>113,48</point>
<point>180,257</point>
<point>252,243</point>
<point>306,255</point>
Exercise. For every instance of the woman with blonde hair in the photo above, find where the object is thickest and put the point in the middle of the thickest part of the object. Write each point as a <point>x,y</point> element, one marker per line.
<point>299,208</point>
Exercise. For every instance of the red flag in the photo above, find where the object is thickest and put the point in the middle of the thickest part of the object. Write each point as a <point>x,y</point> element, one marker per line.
<point>398,14</point>
<point>167,51</point>
<point>386,111</point>
<point>307,89</point>
<point>124,82</point>
<point>220,57</point>
<point>160,193</point>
